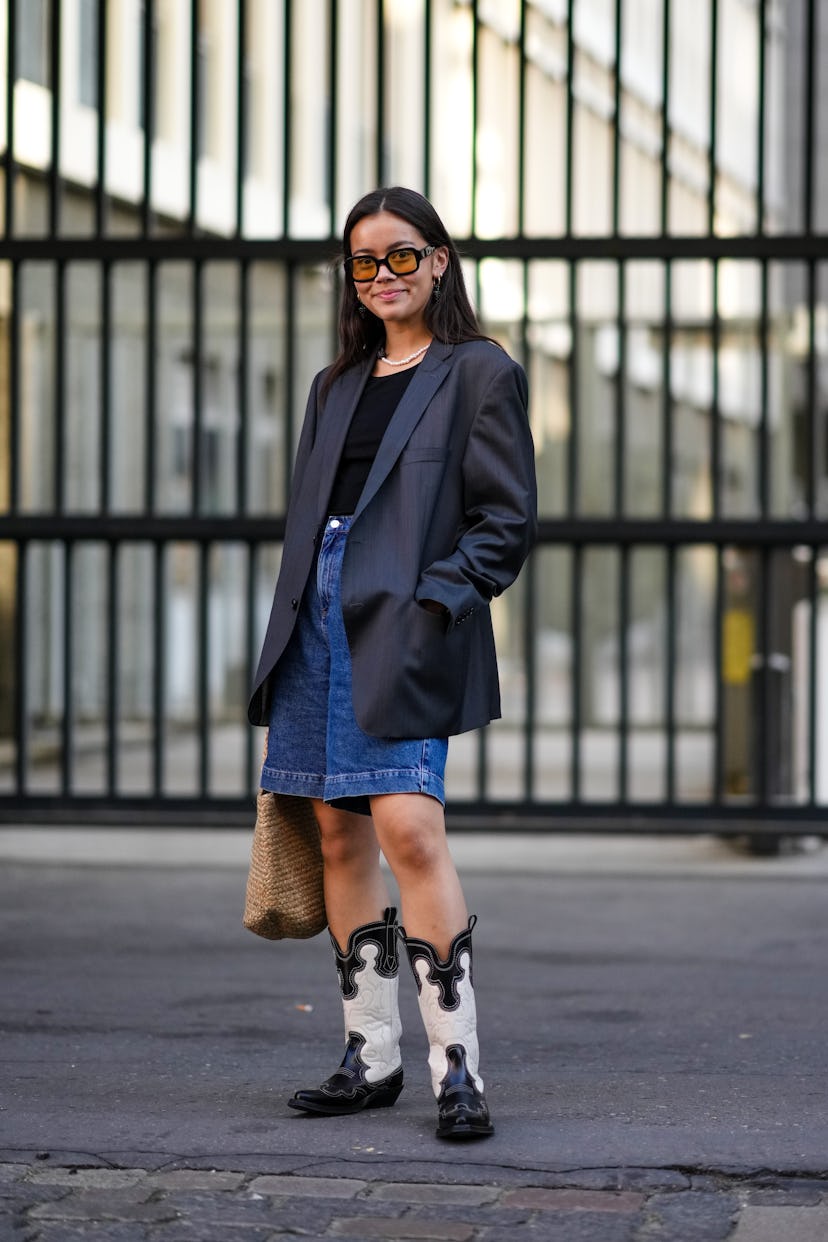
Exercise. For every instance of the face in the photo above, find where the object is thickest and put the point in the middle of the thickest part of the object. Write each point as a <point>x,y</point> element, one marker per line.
<point>396,299</point>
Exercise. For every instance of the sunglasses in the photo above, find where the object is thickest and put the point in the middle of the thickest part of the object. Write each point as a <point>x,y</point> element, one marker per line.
<point>400,262</point>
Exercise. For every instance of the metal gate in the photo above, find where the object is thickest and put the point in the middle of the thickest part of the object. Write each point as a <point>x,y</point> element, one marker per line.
<point>639,190</point>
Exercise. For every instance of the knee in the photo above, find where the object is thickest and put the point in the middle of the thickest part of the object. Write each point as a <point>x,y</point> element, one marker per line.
<point>413,847</point>
<point>344,842</point>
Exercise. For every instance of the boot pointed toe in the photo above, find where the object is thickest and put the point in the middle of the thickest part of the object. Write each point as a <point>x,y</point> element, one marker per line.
<point>368,969</point>
<point>463,1120</point>
<point>447,1005</point>
<point>462,1112</point>
<point>340,1100</point>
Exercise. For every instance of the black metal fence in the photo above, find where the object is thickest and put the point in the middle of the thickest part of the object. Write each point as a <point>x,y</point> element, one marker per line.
<point>166,294</point>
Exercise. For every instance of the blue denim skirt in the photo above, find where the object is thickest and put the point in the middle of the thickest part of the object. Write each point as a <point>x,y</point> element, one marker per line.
<point>315,748</point>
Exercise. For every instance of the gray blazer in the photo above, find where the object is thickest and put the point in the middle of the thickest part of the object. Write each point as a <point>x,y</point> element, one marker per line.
<point>449,512</point>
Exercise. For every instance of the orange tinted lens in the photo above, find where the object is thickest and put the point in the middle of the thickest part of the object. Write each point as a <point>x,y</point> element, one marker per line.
<point>363,267</point>
<point>402,261</point>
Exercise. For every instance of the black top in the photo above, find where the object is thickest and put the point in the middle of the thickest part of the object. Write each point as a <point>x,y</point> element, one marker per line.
<point>380,398</point>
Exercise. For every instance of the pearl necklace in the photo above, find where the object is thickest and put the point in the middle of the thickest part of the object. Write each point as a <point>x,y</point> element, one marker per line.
<point>400,362</point>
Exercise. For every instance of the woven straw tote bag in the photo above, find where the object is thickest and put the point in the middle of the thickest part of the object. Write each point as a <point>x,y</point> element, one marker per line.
<point>284,898</point>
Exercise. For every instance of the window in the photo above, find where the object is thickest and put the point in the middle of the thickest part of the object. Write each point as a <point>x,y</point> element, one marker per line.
<point>88,52</point>
<point>34,41</point>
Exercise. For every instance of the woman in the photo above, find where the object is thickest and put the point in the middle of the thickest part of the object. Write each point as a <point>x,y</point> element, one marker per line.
<point>413,504</point>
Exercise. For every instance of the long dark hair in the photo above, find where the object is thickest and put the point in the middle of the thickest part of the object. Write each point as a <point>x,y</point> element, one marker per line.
<point>449,317</point>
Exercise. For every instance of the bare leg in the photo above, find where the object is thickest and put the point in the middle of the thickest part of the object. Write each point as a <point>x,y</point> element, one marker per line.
<point>411,831</point>
<point>364,934</point>
<point>355,888</point>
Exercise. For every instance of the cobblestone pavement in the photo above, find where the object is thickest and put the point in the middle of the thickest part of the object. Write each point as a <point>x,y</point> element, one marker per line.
<point>43,1201</point>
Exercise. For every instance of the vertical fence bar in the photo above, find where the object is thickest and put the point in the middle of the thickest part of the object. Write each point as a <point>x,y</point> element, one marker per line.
<point>715,420</point>
<point>287,92</point>
<point>333,82</point>
<point>105,413</point>
<point>715,428</point>
<point>667,397</point>
<point>100,183</point>
<point>623,672</point>
<point>521,143</point>
<point>113,596</point>
<point>148,118</point>
<point>15,284</point>
<point>761,118</point>
<point>379,151</point>
<point>714,120</point>
<point>203,667</point>
<point>671,651</point>
<point>718,709</point>
<point>572,447</point>
<point>624,552</point>
<point>815,678</point>
<point>530,608</point>
<point>475,144</point>
<point>665,118</point>
<point>761,786</point>
<point>150,365</point>
<point>59,387</point>
<point>11,79</point>
<point>54,158</point>
<point>530,597</point>
<point>576,629</point>
<point>241,113</point>
<point>766,789</point>
<point>428,37</point>
<point>811,377</point>
<point>159,644</point>
<point>616,128</point>
<point>243,437</point>
<point>671,648</point>
<point>809,79</point>
<point>195,119</point>
<point>251,639</point>
<point>764,397</point>
<point>619,463</point>
<point>21,671</point>
<point>198,385</point>
<point>569,170</point>
<point>67,731</point>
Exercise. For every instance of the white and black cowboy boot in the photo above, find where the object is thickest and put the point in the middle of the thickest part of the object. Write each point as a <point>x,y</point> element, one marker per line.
<point>446,995</point>
<point>370,1075</point>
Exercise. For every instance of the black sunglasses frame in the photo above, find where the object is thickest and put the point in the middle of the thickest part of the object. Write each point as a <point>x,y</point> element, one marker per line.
<point>363,280</point>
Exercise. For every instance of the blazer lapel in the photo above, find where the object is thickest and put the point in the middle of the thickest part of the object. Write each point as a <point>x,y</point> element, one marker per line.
<point>340,405</point>
<point>430,374</point>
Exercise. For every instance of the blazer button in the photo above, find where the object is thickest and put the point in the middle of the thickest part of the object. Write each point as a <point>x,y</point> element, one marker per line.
<point>294,603</point>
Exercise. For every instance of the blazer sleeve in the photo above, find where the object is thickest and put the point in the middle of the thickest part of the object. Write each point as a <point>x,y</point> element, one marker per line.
<point>500,502</point>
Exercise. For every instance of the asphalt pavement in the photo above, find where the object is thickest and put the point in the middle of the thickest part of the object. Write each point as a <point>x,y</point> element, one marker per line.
<point>652,1019</point>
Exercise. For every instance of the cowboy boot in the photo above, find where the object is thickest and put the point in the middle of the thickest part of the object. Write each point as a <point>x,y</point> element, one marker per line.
<point>446,996</point>
<point>370,1075</point>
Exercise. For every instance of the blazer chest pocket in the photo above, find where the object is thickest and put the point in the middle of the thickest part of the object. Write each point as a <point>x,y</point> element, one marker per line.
<point>419,454</point>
